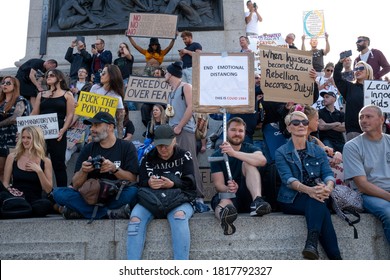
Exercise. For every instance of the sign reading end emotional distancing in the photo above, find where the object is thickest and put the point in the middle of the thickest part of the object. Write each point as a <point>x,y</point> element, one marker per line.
<point>377,93</point>
<point>285,75</point>
<point>88,104</point>
<point>152,25</point>
<point>147,90</point>
<point>223,81</point>
<point>47,122</point>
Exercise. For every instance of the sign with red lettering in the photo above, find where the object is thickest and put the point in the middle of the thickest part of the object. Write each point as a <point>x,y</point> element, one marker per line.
<point>152,25</point>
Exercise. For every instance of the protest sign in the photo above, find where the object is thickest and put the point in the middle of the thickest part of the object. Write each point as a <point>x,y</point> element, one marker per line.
<point>377,93</point>
<point>75,134</point>
<point>91,103</point>
<point>47,122</point>
<point>152,25</point>
<point>147,90</point>
<point>223,81</point>
<point>314,23</point>
<point>285,75</point>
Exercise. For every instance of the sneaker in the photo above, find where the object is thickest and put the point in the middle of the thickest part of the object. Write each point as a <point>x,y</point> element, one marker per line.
<point>120,213</point>
<point>260,207</point>
<point>228,215</point>
<point>70,214</point>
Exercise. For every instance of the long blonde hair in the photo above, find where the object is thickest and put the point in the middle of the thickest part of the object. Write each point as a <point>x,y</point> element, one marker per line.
<point>369,71</point>
<point>162,117</point>
<point>38,147</point>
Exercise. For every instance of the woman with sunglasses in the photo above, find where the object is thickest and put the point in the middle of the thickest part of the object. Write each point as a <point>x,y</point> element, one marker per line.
<point>154,55</point>
<point>324,83</point>
<point>12,105</point>
<point>307,181</point>
<point>57,99</point>
<point>111,84</point>
<point>353,94</point>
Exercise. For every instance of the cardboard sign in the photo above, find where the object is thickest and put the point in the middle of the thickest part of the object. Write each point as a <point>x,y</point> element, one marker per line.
<point>91,103</point>
<point>285,75</point>
<point>152,25</point>
<point>47,122</point>
<point>314,23</point>
<point>75,134</point>
<point>147,90</point>
<point>223,81</point>
<point>377,93</point>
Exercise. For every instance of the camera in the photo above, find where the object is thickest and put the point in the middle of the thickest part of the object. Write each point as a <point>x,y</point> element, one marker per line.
<point>96,162</point>
<point>93,46</point>
<point>345,54</point>
<point>254,5</point>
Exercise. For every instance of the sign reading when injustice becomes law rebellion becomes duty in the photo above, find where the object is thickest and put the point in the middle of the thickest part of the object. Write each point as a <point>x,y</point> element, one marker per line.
<point>377,93</point>
<point>285,75</point>
<point>47,122</point>
<point>88,104</point>
<point>147,89</point>
<point>152,25</point>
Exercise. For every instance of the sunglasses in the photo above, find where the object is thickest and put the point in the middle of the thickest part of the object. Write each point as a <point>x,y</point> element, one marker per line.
<point>298,122</point>
<point>51,75</point>
<point>329,70</point>
<point>359,41</point>
<point>7,83</point>
<point>360,68</point>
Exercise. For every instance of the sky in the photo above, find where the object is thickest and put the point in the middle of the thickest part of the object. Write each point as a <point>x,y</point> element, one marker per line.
<point>345,20</point>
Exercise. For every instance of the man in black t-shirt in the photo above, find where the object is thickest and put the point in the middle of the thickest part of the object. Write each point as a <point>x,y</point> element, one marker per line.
<point>331,123</point>
<point>186,55</point>
<point>118,162</point>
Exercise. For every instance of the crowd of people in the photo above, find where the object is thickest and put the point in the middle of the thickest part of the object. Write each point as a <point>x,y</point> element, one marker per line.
<point>311,139</point>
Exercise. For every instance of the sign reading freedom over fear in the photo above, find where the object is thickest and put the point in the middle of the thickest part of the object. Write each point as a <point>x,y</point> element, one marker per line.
<point>47,122</point>
<point>152,25</point>
<point>377,93</point>
<point>285,75</point>
<point>88,104</point>
<point>223,81</point>
<point>147,89</point>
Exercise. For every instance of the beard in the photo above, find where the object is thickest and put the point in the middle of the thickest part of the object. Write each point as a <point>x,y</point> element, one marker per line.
<point>100,136</point>
<point>360,48</point>
<point>236,141</point>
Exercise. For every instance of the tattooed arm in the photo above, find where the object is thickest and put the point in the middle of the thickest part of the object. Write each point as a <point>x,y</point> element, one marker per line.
<point>19,109</point>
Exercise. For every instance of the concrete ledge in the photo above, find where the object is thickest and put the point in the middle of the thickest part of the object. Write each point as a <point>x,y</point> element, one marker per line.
<point>275,236</point>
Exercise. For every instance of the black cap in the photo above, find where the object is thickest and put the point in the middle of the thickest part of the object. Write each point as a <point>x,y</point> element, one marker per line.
<point>163,135</point>
<point>328,92</point>
<point>101,117</point>
<point>176,69</point>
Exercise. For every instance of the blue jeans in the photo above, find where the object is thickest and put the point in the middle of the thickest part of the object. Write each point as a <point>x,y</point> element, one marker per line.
<point>180,232</point>
<point>73,200</point>
<point>187,75</point>
<point>318,219</point>
<point>380,208</point>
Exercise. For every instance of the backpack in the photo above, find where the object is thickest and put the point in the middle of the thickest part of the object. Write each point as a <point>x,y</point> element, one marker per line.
<point>346,201</point>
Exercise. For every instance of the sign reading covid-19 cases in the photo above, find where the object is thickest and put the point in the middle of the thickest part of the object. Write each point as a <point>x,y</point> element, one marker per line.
<point>47,122</point>
<point>314,23</point>
<point>377,93</point>
<point>223,81</point>
<point>285,75</point>
<point>91,103</point>
<point>152,25</point>
<point>147,90</point>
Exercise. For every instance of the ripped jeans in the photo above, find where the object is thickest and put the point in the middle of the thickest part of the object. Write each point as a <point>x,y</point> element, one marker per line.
<point>180,231</point>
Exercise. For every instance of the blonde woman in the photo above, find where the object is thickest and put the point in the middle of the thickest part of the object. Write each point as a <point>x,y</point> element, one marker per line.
<point>158,118</point>
<point>353,94</point>
<point>30,171</point>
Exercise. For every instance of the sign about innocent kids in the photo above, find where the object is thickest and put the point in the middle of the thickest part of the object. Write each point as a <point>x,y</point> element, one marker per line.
<point>47,122</point>
<point>147,90</point>
<point>285,75</point>
<point>223,81</point>
<point>152,25</point>
<point>88,104</point>
<point>377,93</point>
<point>314,23</point>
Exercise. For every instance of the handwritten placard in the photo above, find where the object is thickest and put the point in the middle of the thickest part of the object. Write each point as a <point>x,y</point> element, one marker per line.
<point>314,23</point>
<point>152,25</point>
<point>285,75</point>
<point>377,93</point>
<point>91,103</point>
<point>223,81</point>
<point>47,122</point>
<point>147,89</point>
<point>75,134</point>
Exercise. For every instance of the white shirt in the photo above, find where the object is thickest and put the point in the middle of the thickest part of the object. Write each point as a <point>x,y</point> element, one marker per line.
<point>364,57</point>
<point>251,26</point>
<point>100,90</point>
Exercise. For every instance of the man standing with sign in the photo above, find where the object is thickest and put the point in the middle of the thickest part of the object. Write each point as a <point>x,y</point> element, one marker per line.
<point>318,54</point>
<point>179,112</point>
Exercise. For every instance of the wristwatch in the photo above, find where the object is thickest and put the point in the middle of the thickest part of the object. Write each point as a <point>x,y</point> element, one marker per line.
<point>116,169</point>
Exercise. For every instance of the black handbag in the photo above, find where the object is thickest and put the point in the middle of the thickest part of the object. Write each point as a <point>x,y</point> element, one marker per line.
<point>161,201</point>
<point>16,207</point>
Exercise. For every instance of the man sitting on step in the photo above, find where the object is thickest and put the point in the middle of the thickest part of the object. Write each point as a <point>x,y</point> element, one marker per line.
<point>243,192</point>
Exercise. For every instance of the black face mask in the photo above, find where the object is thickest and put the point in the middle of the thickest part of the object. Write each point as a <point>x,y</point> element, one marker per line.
<point>360,48</point>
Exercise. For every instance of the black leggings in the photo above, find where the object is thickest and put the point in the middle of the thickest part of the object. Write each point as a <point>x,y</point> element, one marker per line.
<point>56,150</point>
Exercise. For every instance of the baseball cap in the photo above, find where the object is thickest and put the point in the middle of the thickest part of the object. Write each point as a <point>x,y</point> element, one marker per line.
<point>328,92</point>
<point>101,117</point>
<point>163,135</point>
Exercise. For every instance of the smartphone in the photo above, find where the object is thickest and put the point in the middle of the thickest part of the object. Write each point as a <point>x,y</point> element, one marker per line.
<point>93,46</point>
<point>345,54</point>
